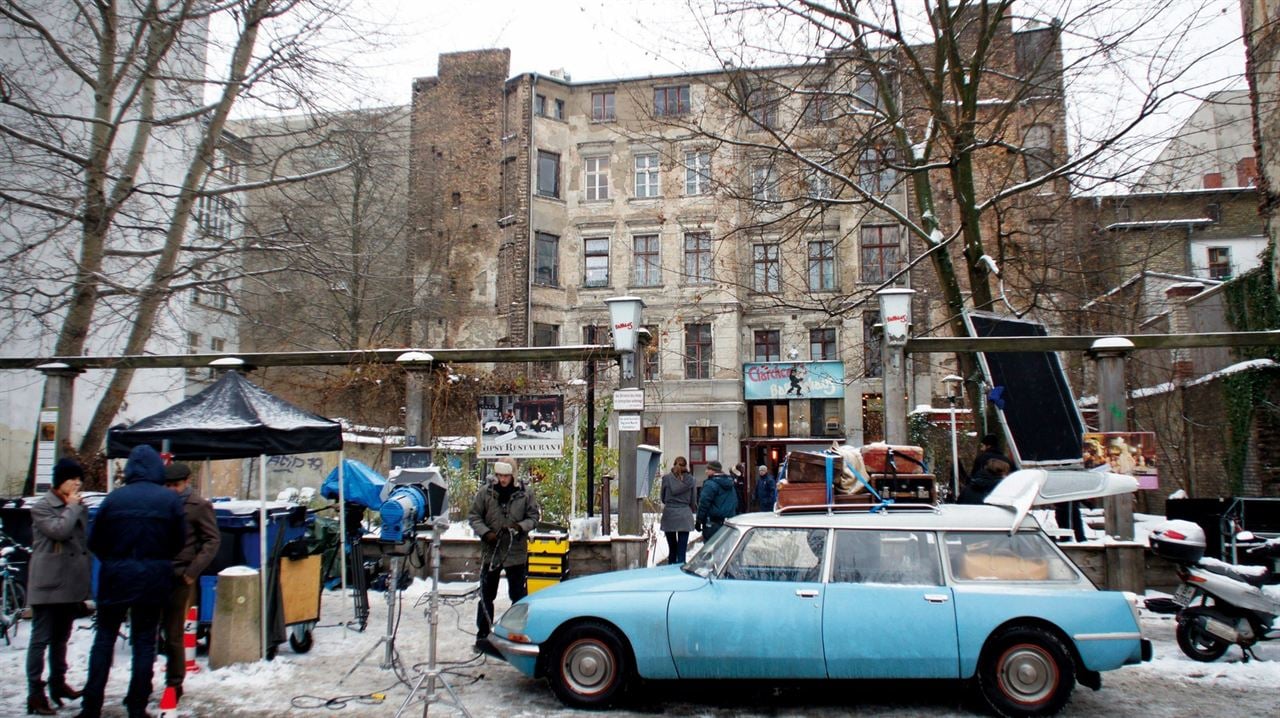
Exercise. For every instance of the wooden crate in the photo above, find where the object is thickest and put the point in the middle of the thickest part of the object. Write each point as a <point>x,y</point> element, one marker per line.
<point>907,488</point>
<point>804,467</point>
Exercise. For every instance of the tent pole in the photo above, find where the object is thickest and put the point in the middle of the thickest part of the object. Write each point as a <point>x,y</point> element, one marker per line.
<point>342,521</point>
<point>262,546</point>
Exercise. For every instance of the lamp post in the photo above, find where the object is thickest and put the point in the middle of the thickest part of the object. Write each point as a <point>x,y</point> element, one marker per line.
<point>417,406</point>
<point>895,317</point>
<point>955,390</point>
<point>624,321</point>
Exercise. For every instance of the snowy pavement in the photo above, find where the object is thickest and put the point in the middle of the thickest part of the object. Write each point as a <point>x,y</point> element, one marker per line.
<point>299,685</point>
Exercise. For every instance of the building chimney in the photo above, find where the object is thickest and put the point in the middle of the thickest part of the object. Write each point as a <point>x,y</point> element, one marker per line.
<point>1213,180</point>
<point>1247,172</point>
<point>1176,296</point>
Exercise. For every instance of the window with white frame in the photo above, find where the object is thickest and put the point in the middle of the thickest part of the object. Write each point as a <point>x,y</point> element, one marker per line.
<point>647,175</point>
<point>214,215</point>
<point>697,257</point>
<point>602,104</point>
<point>647,270</point>
<point>597,172</point>
<point>764,183</point>
<point>766,269</point>
<point>817,182</point>
<point>822,266</point>
<point>595,252</point>
<point>1219,262</point>
<point>866,94</point>
<point>697,172</point>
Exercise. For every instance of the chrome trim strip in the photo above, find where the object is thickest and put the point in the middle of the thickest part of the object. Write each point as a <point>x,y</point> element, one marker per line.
<point>1107,636</point>
<point>517,649</point>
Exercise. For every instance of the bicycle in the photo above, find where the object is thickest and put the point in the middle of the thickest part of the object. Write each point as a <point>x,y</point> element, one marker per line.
<point>13,597</point>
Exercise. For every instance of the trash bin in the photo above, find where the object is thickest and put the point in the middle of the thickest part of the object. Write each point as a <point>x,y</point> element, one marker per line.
<point>548,562</point>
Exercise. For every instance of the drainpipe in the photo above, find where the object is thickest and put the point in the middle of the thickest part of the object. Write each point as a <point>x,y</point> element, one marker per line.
<point>530,247</point>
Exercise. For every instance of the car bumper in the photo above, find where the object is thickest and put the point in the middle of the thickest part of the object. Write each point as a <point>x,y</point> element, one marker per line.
<point>522,656</point>
<point>1147,651</point>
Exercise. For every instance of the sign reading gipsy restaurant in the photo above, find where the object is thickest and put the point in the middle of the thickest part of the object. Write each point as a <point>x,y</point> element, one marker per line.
<point>793,380</point>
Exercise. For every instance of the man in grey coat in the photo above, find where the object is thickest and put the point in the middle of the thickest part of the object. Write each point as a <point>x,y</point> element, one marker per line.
<point>58,585</point>
<point>502,515</point>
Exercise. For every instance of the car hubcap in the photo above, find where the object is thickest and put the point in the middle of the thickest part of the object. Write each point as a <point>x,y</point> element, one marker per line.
<point>1027,675</point>
<point>588,667</point>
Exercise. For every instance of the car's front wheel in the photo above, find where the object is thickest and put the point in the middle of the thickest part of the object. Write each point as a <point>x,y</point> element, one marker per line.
<point>1026,671</point>
<point>589,666</point>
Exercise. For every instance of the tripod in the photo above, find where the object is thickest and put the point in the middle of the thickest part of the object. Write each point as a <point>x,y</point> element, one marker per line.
<point>388,640</point>
<point>433,676</point>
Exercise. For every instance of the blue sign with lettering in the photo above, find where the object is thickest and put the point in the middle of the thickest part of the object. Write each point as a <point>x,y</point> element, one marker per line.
<point>793,380</point>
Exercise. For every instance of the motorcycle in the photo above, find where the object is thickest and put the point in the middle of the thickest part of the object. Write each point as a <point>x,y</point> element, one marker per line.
<point>1218,604</point>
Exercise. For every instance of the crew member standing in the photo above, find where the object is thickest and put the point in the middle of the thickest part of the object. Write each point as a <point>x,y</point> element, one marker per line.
<point>202,542</point>
<point>502,515</point>
<point>717,502</point>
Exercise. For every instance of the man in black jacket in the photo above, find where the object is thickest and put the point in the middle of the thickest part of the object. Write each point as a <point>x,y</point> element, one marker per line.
<point>137,532</point>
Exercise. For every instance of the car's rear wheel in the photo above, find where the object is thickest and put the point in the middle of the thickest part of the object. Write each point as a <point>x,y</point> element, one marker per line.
<point>590,666</point>
<point>1198,644</point>
<point>1026,671</point>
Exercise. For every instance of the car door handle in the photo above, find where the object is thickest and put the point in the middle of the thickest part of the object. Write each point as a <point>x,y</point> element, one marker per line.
<point>937,597</point>
<point>807,592</point>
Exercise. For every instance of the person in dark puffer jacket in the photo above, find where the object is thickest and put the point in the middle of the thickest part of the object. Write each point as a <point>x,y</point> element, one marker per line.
<point>138,531</point>
<point>717,501</point>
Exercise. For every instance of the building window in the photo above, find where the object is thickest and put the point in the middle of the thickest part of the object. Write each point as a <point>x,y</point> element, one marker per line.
<point>1037,150</point>
<point>602,106</point>
<point>879,253</point>
<point>652,358</point>
<point>669,101</point>
<point>822,266</point>
<point>764,183</point>
<point>193,342</point>
<point>824,417</point>
<point>876,174</point>
<point>546,261</point>
<point>548,174</point>
<point>704,446</point>
<point>697,257</point>
<point>871,365</point>
<point>595,253</point>
<point>872,418</point>
<point>648,272</point>
<point>597,169</point>
<point>540,105</point>
<point>647,175</point>
<point>817,182</point>
<point>867,94</point>
<point>1219,262</point>
<point>767,272</point>
<point>770,419</point>
<point>651,435</point>
<point>212,296</point>
<point>214,215</point>
<point>817,107</point>
<point>507,202</point>
<point>545,335</point>
<point>822,344</point>
<point>697,172</point>
<point>764,110</point>
<point>558,111</point>
<point>697,351</point>
<point>217,345</point>
<point>768,343</point>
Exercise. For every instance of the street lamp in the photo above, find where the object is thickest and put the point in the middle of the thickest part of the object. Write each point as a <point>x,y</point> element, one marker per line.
<point>955,391</point>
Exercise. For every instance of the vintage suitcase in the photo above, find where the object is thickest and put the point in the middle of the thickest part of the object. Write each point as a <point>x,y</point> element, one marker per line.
<point>801,494</point>
<point>906,459</point>
<point>804,467</point>
<point>907,488</point>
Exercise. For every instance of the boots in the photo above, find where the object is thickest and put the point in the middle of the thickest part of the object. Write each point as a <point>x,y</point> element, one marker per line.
<point>58,689</point>
<point>37,702</point>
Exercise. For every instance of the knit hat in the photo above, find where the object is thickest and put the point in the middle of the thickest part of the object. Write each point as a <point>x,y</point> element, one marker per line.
<point>503,467</point>
<point>175,472</point>
<point>66,469</point>
<point>715,466</point>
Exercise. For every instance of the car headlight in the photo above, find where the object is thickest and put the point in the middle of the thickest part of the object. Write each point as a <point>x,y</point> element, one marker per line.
<point>515,618</point>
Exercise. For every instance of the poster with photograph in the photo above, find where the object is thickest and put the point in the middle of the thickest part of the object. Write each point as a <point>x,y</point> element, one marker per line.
<point>1124,452</point>
<point>521,426</point>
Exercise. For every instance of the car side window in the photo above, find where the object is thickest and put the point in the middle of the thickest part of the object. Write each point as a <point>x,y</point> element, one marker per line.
<point>896,557</point>
<point>1024,556</point>
<point>779,554</point>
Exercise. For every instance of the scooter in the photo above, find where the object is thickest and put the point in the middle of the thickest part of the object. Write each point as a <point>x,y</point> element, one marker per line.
<point>1218,604</point>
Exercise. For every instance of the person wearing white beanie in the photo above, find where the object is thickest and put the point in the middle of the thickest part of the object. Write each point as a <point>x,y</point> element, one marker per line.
<point>502,515</point>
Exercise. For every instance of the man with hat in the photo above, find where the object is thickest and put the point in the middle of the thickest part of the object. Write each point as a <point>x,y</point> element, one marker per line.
<point>202,541</point>
<point>717,502</point>
<point>58,584</point>
<point>502,515</point>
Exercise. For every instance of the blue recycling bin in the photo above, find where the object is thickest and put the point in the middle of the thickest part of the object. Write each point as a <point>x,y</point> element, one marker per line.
<point>238,522</point>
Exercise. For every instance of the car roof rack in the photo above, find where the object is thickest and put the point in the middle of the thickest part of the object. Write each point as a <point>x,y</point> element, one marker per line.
<point>886,506</point>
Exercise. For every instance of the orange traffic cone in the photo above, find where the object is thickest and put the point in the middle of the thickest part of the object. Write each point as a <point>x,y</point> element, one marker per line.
<point>169,703</point>
<point>189,640</point>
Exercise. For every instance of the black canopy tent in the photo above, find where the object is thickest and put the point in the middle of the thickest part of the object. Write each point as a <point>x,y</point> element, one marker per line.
<point>235,419</point>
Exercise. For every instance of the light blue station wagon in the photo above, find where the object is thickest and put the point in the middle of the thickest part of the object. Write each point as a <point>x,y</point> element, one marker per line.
<point>948,592</point>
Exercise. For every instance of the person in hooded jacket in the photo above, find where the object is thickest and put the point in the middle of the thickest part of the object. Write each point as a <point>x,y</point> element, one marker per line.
<point>138,531</point>
<point>58,584</point>
<point>717,501</point>
<point>502,515</point>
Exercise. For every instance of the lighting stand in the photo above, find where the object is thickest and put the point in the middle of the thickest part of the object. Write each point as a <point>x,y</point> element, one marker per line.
<point>388,640</point>
<point>433,676</point>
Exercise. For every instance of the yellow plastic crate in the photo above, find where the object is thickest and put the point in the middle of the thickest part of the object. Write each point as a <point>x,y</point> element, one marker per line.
<point>538,583</point>
<point>549,546</point>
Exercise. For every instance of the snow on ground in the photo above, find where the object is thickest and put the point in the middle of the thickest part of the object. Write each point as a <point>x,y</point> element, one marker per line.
<point>294,685</point>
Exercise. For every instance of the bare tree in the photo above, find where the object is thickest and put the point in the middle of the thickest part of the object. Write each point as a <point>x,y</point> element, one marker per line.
<point>111,127</point>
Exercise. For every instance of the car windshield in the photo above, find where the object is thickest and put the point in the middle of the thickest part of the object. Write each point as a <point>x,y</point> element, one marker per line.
<point>714,553</point>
